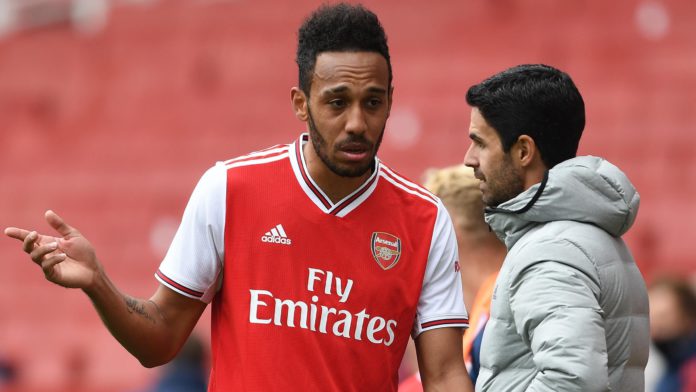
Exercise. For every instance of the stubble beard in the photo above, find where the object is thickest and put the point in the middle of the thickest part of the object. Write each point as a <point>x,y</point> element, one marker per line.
<point>319,145</point>
<point>507,184</point>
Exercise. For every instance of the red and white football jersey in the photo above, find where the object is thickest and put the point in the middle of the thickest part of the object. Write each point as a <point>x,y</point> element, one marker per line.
<point>309,294</point>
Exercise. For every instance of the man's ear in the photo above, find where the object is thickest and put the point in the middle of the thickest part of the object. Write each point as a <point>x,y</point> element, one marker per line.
<point>525,151</point>
<point>299,103</point>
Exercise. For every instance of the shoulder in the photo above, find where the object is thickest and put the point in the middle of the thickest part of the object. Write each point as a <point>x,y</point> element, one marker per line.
<point>216,177</point>
<point>262,157</point>
<point>255,166</point>
<point>562,243</point>
<point>558,238</point>
<point>407,190</point>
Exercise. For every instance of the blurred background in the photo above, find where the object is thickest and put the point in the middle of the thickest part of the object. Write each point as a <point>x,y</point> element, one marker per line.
<point>110,110</point>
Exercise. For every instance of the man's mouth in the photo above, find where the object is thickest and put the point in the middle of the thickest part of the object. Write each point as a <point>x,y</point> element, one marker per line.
<point>354,151</point>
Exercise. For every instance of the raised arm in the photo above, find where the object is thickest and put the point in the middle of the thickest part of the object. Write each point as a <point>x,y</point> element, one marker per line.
<point>152,330</point>
<point>441,361</point>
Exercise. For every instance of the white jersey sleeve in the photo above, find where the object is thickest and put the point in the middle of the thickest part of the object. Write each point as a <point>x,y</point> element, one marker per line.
<point>193,263</point>
<point>441,302</point>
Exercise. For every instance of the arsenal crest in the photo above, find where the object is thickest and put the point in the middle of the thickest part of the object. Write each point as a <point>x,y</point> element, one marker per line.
<point>386,249</point>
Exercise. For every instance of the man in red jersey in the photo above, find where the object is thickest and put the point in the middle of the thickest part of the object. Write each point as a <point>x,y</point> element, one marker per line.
<point>318,259</point>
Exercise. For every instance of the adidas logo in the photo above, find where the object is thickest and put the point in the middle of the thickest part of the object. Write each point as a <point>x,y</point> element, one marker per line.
<point>277,236</point>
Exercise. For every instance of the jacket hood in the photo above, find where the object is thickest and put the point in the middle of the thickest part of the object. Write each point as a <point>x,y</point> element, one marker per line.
<point>584,189</point>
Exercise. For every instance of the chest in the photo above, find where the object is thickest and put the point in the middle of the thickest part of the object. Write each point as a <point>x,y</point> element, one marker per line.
<point>280,247</point>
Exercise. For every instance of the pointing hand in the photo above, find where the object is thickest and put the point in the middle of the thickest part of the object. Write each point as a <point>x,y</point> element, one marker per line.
<point>68,260</point>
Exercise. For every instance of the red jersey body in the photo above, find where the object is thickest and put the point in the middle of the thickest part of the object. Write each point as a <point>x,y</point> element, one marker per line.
<point>311,295</point>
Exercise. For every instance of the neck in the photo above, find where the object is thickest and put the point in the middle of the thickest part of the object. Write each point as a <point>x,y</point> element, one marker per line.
<point>534,173</point>
<point>334,186</point>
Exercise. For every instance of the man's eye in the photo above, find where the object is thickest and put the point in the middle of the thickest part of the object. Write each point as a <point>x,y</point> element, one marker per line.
<point>337,103</point>
<point>374,102</point>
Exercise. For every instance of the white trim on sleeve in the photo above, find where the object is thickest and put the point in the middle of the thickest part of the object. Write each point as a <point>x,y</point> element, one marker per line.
<point>193,263</point>
<point>441,303</point>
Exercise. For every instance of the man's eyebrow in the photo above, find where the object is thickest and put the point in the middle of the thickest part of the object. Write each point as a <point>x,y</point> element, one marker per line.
<point>377,90</point>
<point>334,90</point>
<point>342,89</point>
<point>475,137</point>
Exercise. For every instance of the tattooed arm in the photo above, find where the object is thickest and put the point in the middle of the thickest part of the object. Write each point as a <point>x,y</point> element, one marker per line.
<point>134,306</point>
<point>152,330</point>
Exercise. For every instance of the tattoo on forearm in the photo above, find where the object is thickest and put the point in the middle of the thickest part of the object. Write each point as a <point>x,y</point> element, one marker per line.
<point>158,310</point>
<point>134,306</point>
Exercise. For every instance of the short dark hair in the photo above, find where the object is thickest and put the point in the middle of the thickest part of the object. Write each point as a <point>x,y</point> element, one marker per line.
<point>338,28</point>
<point>535,100</point>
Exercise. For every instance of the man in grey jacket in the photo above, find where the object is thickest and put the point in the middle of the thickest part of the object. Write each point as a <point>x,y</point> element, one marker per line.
<point>570,308</point>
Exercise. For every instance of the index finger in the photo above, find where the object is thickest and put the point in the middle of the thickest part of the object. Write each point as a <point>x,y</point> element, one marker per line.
<point>17,233</point>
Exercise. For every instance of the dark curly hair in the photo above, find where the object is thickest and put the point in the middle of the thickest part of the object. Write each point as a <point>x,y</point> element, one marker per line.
<point>535,100</point>
<point>338,28</point>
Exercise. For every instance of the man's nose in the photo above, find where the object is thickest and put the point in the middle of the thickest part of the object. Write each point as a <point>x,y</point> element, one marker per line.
<point>470,158</point>
<point>357,121</point>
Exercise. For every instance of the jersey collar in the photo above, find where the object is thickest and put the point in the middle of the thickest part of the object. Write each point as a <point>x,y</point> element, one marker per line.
<point>318,197</point>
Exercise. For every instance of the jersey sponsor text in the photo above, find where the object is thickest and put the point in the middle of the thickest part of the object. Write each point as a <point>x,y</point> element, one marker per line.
<point>264,308</point>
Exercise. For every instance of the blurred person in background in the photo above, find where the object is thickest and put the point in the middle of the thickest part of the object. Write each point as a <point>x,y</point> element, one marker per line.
<point>480,255</point>
<point>187,372</point>
<point>569,310</point>
<point>319,260</point>
<point>8,374</point>
<point>480,251</point>
<point>673,330</point>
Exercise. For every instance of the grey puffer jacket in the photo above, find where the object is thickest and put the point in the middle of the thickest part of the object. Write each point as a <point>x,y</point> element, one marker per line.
<point>570,308</point>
